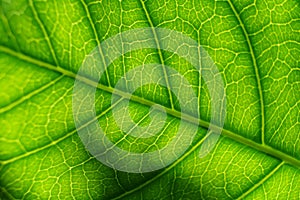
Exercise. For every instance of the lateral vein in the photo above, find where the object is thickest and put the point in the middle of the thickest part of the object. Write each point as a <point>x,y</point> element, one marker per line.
<point>86,8</point>
<point>37,18</point>
<point>257,75</point>
<point>29,95</point>
<point>159,52</point>
<point>263,180</point>
<point>54,142</point>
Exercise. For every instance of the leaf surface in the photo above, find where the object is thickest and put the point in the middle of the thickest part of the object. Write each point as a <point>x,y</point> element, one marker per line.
<point>254,44</point>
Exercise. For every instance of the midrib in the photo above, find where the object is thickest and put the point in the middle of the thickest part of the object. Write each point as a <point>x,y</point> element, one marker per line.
<point>260,147</point>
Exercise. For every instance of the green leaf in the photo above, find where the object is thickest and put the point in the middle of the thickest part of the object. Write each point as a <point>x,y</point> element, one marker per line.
<point>255,46</point>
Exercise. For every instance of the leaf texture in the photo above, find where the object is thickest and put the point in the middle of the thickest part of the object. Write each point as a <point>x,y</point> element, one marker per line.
<point>254,44</point>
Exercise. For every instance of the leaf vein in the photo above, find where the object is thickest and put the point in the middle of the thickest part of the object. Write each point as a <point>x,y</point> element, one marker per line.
<point>255,65</point>
<point>42,27</point>
<point>88,13</point>
<point>263,180</point>
<point>160,55</point>
<point>54,142</point>
<point>186,117</point>
<point>29,95</point>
